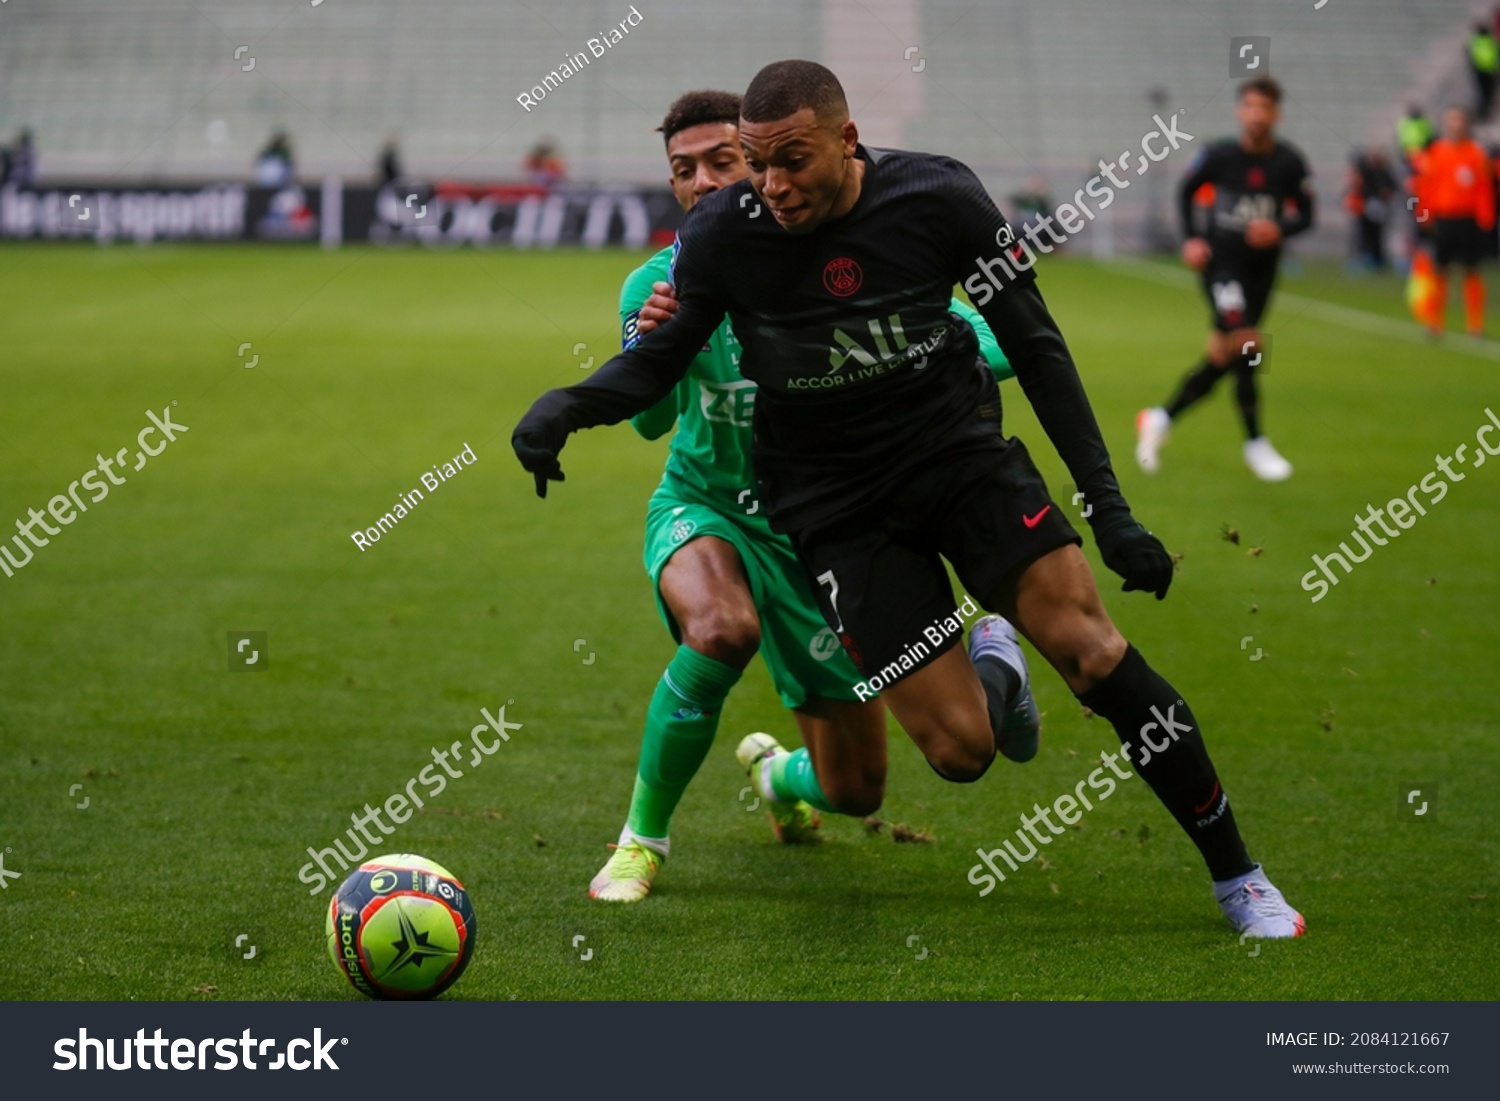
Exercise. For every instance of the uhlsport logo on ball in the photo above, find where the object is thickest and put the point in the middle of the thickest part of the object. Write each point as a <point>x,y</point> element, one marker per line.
<point>401,926</point>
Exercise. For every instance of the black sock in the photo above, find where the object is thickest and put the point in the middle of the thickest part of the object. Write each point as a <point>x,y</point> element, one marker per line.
<point>1196,385</point>
<point>1001,686</point>
<point>1249,398</point>
<point>1164,746</point>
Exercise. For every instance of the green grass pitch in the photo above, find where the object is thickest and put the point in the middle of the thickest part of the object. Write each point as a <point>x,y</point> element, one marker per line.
<point>204,788</point>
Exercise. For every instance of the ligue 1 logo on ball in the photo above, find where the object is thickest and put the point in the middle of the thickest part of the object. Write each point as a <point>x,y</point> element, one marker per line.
<point>842,277</point>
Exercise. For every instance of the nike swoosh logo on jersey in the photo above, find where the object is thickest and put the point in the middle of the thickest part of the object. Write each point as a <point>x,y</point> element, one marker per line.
<point>1033,521</point>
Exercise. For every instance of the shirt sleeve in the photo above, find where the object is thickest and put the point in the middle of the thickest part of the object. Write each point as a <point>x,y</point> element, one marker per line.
<point>1302,199</point>
<point>1484,212</point>
<point>989,347</point>
<point>984,249</point>
<point>1044,367</point>
<point>1031,341</point>
<point>1200,172</point>
<point>642,375</point>
<point>659,419</point>
<point>988,258</point>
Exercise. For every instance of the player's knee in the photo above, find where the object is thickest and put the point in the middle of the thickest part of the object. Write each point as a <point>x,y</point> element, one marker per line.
<point>959,760</point>
<point>961,766</point>
<point>1097,656</point>
<point>858,799</point>
<point>957,741</point>
<point>726,633</point>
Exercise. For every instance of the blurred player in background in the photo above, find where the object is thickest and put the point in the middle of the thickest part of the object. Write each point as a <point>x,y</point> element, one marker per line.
<point>1414,133</point>
<point>18,163</point>
<point>388,166</point>
<point>1371,191</point>
<point>1484,59</point>
<point>544,165</point>
<point>726,585</point>
<point>1255,193</point>
<point>1454,188</point>
<point>274,165</point>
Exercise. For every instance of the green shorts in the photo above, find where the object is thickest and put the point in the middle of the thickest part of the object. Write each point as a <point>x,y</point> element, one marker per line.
<point>804,656</point>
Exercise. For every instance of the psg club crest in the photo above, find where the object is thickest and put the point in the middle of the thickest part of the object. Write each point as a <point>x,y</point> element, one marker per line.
<point>842,277</point>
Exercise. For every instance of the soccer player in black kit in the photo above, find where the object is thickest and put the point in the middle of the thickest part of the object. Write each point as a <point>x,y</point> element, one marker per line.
<point>879,451</point>
<point>1257,195</point>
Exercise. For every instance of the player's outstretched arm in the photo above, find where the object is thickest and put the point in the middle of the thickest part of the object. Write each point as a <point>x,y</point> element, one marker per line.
<point>639,288</point>
<point>641,375</point>
<point>1045,369</point>
<point>632,382</point>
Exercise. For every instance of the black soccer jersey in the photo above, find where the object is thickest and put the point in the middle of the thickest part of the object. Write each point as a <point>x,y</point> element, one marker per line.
<point>862,373</point>
<point>1246,186</point>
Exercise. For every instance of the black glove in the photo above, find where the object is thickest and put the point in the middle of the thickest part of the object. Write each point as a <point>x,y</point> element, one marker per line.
<point>1136,555</point>
<point>537,446</point>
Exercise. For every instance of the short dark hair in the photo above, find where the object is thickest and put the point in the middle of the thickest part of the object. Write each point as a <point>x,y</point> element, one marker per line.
<point>783,88</point>
<point>696,108</point>
<point>1263,86</point>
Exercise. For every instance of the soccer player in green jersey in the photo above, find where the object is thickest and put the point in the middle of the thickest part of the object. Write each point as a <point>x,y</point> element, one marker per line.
<point>726,585</point>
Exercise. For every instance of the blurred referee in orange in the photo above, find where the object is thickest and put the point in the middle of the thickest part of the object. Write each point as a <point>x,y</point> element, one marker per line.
<point>1454,187</point>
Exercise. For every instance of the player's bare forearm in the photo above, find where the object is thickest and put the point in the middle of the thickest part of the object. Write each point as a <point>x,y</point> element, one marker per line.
<point>1263,233</point>
<point>658,309</point>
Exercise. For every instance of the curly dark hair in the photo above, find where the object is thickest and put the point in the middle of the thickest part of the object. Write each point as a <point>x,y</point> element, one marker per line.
<point>696,108</point>
<point>1261,85</point>
<point>783,88</point>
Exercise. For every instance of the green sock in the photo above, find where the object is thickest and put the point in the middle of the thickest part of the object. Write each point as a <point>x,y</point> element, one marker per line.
<point>793,778</point>
<point>680,727</point>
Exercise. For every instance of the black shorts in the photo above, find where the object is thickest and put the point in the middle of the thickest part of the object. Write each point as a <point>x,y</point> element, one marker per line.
<point>879,575</point>
<point>1458,241</point>
<point>1238,293</point>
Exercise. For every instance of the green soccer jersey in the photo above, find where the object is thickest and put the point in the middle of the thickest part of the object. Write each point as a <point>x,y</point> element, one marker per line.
<point>713,405</point>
